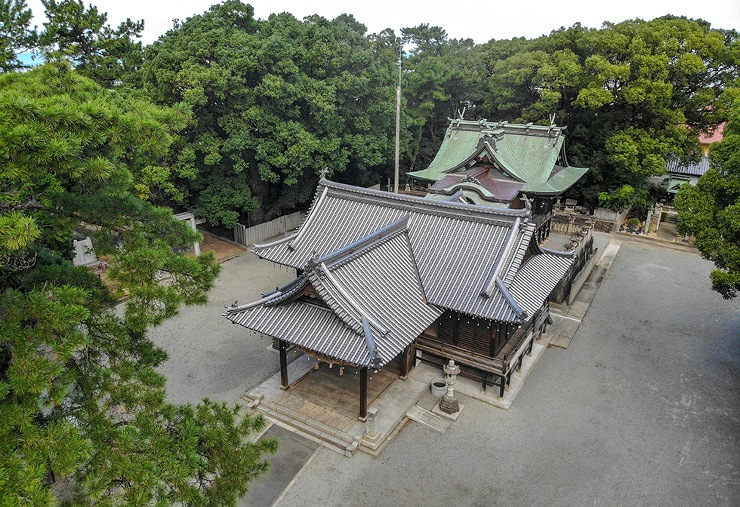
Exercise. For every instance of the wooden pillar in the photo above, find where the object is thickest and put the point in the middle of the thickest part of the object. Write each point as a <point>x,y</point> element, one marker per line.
<point>284,385</point>
<point>363,393</point>
<point>408,361</point>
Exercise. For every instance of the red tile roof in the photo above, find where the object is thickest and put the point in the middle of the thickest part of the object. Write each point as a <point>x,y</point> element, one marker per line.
<point>713,137</point>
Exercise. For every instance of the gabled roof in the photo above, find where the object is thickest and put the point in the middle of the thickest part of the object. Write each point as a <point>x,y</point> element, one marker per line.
<point>524,153</point>
<point>480,180</point>
<point>373,302</point>
<point>461,250</point>
<point>676,166</point>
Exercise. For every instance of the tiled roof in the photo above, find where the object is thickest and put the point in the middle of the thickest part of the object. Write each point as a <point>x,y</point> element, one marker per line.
<point>694,168</point>
<point>457,247</point>
<point>530,285</point>
<point>373,294</point>
<point>525,153</point>
<point>714,136</point>
<point>386,266</point>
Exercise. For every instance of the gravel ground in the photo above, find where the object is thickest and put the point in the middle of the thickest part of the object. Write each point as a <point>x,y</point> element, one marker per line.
<point>208,355</point>
<point>640,410</point>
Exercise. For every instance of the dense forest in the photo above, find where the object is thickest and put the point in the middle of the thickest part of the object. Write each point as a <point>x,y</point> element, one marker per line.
<point>234,118</point>
<point>272,102</point>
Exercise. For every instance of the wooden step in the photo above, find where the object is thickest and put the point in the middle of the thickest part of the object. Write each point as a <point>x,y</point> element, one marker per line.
<point>336,440</point>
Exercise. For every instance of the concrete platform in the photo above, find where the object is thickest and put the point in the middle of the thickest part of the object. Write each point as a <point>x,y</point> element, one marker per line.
<point>395,406</point>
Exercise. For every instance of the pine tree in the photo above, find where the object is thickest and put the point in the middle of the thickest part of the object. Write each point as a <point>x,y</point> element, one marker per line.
<point>79,393</point>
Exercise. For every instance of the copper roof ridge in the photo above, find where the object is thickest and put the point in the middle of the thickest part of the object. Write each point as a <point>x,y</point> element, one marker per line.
<point>511,128</point>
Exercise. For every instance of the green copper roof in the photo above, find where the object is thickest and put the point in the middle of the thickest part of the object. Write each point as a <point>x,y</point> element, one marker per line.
<point>457,146</point>
<point>527,153</point>
<point>559,183</point>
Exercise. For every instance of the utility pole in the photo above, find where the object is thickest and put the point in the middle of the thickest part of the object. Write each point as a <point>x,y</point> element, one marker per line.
<point>398,119</point>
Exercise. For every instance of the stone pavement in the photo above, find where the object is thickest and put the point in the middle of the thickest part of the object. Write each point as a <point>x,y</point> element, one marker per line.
<point>394,407</point>
<point>294,453</point>
<point>567,319</point>
<point>399,402</point>
<point>640,410</point>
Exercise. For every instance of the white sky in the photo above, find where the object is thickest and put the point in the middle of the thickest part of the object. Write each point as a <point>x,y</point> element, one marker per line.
<point>480,21</point>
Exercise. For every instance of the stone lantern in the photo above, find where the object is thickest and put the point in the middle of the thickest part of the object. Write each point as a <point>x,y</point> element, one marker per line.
<point>448,404</point>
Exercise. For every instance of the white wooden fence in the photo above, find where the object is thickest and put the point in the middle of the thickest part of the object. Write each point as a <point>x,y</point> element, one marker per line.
<point>249,235</point>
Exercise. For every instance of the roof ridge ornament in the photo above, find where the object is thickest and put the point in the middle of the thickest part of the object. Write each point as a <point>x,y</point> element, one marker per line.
<point>313,261</point>
<point>324,173</point>
<point>527,204</point>
<point>472,179</point>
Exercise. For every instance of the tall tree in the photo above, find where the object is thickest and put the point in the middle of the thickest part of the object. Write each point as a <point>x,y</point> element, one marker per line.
<point>16,35</point>
<point>275,102</point>
<point>631,93</point>
<point>710,211</point>
<point>79,393</point>
<point>442,77</point>
<point>81,34</point>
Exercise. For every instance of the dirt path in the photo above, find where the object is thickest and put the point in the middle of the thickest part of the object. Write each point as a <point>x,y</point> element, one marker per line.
<point>223,250</point>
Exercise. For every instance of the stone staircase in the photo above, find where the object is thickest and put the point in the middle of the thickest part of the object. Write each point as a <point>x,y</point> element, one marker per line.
<point>335,439</point>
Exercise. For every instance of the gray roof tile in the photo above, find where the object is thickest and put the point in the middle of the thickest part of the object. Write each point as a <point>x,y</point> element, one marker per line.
<point>373,279</point>
<point>398,262</point>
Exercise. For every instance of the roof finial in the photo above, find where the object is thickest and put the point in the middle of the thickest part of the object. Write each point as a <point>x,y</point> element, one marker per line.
<point>313,261</point>
<point>527,204</point>
<point>324,172</point>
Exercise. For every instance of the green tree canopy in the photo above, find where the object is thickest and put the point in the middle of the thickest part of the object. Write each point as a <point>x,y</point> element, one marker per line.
<point>631,93</point>
<point>442,77</point>
<point>274,103</point>
<point>79,393</point>
<point>16,35</point>
<point>711,210</point>
<point>81,34</point>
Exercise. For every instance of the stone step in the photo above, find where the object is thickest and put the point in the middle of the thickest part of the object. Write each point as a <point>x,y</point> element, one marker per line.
<point>425,417</point>
<point>331,437</point>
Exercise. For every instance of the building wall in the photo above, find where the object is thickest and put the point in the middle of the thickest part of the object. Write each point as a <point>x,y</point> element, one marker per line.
<point>478,335</point>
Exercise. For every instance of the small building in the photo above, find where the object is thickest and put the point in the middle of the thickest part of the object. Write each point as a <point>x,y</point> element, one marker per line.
<point>677,172</point>
<point>384,277</point>
<point>499,164</point>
